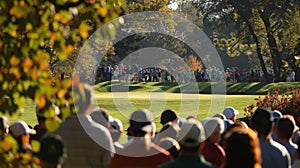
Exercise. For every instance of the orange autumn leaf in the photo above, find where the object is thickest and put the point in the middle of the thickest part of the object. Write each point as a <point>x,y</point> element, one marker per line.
<point>42,101</point>
<point>14,61</point>
<point>27,63</point>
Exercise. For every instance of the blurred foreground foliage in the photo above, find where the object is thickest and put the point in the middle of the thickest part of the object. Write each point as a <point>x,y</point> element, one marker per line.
<point>33,35</point>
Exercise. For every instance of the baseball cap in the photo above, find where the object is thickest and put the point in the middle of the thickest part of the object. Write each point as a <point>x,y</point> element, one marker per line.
<point>191,134</point>
<point>141,120</point>
<point>116,124</point>
<point>276,114</point>
<point>168,130</point>
<point>20,128</point>
<point>101,116</point>
<point>212,125</point>
<point>168,142</point>
<point>52,149</point>
<point>230,112</point>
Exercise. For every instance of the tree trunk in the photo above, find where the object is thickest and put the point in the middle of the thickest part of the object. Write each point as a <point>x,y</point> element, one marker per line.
<point>258,50</point>
<point>245,14</point>
<point>276,58</point>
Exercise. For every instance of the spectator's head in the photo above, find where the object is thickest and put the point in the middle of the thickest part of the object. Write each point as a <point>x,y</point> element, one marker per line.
<point>101,116</point>
<point>83,96</point>
<point>21,132</point>
<point>285,127</point>
<point>170,145</point>
<point>276,114</point>
<point>238,124</point>
<point>141,123</point>
<point>214,127</point>
<point>52,151</point>
<point>3,127</point>
<point>168,116</point>
<point>20,128</point>
<point>262,121</point>
<point>230,113</point>
<point>116,129</point>
<point>116,124</point>
<point>190,117</point>
<point>227,123</point>
<point>191,135</point>
<point>168,130</point>
<point>220,115</point>
<point>242,148</point>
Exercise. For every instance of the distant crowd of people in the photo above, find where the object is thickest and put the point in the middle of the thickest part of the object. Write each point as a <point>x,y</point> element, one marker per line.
<point>91,138</point>
<point>136,73</point>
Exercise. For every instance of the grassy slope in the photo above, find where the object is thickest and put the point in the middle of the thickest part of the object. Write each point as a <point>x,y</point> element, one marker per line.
<point>255,88</point>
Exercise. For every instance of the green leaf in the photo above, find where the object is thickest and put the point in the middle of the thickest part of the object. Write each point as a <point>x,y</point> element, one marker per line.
<point>35,146</point>
<point>52,124</point>
<point>61,2</point>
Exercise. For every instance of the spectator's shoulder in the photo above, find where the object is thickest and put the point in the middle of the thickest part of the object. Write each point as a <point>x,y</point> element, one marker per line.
<point>206,164</point>
<point>170,164</point>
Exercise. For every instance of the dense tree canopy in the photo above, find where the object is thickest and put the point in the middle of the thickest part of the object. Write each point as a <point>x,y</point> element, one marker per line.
<point>34,35</point>
<point>262,28</point>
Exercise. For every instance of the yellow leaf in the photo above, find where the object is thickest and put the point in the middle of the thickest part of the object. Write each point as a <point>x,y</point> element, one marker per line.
<point>13,33</point>
<point>28,27</point>
<point>14,61</point>
<point>26,156</point>
<point>61,93</point>
<point>102,11</point>
<point>83,30</point>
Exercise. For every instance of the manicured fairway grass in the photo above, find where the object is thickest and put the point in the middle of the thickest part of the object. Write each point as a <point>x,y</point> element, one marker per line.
<point>121,105</point>
<point>159,96</point>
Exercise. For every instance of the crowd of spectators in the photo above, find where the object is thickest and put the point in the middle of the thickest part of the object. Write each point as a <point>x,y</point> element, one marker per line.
<point>91,138</point>
<point>136,73</point>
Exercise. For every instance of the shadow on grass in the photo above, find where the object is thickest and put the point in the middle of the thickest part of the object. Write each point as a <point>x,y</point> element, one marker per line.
<point>243,88</point>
